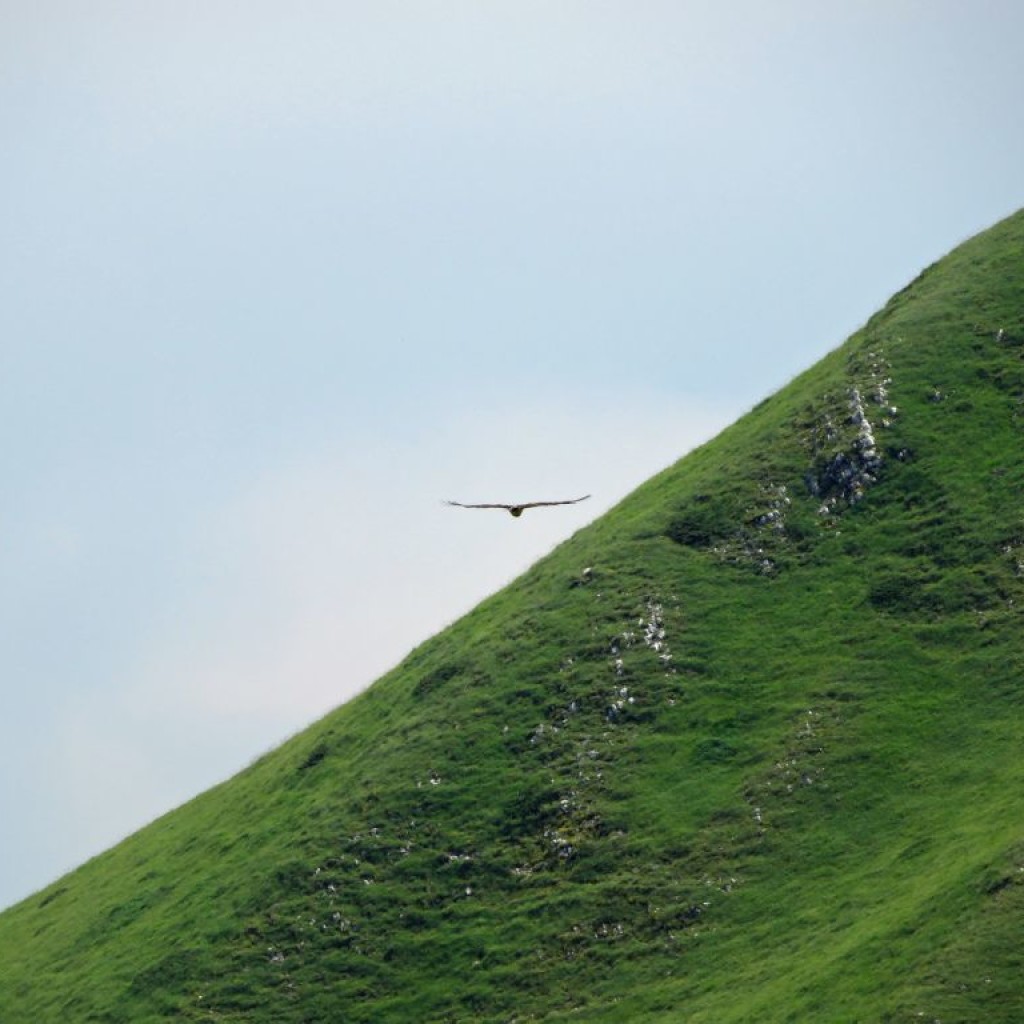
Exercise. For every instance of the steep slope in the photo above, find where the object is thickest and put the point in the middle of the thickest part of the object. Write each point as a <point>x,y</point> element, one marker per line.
<point>748,748</point>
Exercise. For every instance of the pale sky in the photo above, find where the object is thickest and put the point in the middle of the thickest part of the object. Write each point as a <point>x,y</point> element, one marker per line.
<point>276,278</point>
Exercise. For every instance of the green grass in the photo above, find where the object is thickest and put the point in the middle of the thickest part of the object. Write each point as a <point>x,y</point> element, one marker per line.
<point>761,763</point>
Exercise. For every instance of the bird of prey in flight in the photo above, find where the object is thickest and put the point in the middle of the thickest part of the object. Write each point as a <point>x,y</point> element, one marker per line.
<point>518,509</point>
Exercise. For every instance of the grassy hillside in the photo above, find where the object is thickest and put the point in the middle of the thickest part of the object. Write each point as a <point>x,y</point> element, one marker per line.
<point>748,748</point>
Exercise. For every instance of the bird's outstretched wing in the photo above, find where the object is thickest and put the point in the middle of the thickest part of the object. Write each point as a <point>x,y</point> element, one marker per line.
<point>567,501</point>
<point>462,504</point>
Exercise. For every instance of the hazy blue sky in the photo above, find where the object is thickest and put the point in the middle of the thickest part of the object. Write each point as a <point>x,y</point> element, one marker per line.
<point>276,278</point>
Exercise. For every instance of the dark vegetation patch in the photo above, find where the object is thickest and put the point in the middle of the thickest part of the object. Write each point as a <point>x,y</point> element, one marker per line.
<point>315,756</point>
<point>437,678</point>
<point>50,897</point>
<point>171,972</point>
<point>706,521</point>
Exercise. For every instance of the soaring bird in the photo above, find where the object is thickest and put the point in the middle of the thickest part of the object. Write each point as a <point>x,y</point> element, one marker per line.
<point>518,509</point>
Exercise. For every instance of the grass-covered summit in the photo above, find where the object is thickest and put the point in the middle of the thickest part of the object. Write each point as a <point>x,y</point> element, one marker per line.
<point>749,748</point>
